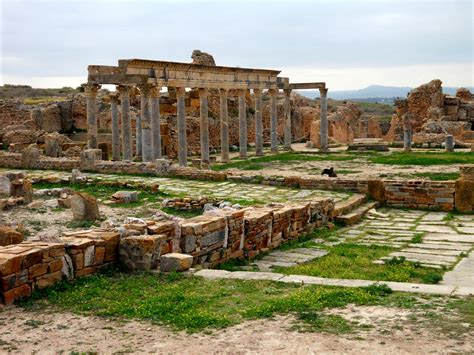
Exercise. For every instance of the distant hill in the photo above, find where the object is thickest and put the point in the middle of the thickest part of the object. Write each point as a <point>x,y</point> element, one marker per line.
<point>372,93</point>
<point>8,91</point>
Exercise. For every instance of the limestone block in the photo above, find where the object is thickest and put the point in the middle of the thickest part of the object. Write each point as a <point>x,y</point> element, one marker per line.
<point>90,157</point>
<point>9,235</point>
<point>376,190</point>
<point>22,188</point>
<point>5,186</point>
<point>51,118</point>
<point>464,195</point>
<point>67,267</point>
<point>175,262</point>
<point>125,196</point>
<point>162,166</point>
<point>17,293</point>
<point>84,207</point>
<point>30,156</point>
<point>89,256</point>
<point>141,252</point>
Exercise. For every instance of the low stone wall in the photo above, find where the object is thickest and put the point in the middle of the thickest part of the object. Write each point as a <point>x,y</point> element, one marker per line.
<point>432,195</point>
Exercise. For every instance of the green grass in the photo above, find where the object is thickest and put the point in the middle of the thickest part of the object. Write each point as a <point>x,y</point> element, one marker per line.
<point>195,304</point>
<point>417,238</point>
<point>42,100</point>
<point>431,158</point>
<point>352,261</point>
<point>182,213</point>
<point>255,163</point>
<point>436,176</point>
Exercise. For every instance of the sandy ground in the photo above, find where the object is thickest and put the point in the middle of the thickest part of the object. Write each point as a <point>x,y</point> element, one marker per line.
<point>46,331</point>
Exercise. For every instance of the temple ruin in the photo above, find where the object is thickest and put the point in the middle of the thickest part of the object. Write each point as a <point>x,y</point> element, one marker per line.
<point>149,77</point>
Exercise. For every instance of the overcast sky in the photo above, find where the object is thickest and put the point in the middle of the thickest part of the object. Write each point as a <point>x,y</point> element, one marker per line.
<point>349,44</point>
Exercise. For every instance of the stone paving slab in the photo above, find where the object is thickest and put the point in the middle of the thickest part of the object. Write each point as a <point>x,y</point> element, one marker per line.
<point>462,274</point>
<point>425,257</point>
<point>301,279</point>
<point>464,238</point>
<point>433,251</point>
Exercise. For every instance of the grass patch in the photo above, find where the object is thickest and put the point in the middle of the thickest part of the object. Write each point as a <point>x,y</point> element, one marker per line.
<point>255,163</point>
<point>352,261</point>
<point>438,176</point>
<point>182,213</point>
<point>417,238</point>
<point>42,100</point>
<point>195,304</point>
<point>431,158</point>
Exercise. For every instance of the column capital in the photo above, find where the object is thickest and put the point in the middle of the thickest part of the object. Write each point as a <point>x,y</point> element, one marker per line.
<point>323,92</point>
<point>91,89</point>
<point>203,92</point>
<point>144,89</point>
<point>123,90</point>
<point>272,92</point>
<point>240,92</point>
<point>287,92</point>
<point>223,92</point>
<point>180,91</point>
<point>257,91</point>
<point>155,91</point>
<point>113,97</point>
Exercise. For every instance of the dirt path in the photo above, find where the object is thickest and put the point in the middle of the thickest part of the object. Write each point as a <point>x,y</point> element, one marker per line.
<point>389,331</point>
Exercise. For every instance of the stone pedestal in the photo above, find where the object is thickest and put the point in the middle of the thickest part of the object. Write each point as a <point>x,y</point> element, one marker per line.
<point>273,119</point>
<point>449,143</point>
<point>182,144</point>
<point>258,122</point>
<point>324,121</point>
<point>147,148</point>
<point>242,125</point>
<point>89,157</point>
<point>91,94</point>
<point>155,122</point>
<point>224,125</point>
<point>115,128</point>
<point>162,166</point>
<point>287,119</point>
<point>126,125</point>
<point>204,126</point>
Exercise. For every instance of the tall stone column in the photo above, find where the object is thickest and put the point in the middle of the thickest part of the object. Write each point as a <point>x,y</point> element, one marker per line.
<point>138,137</point>
<point>115,128</point>
<point>155,122</point>
<point>324,120</point>
<point>147,147</point>
<point>204,126</point>
<point>224,125</point>
<point>287,119</point>
<point>242,125</point>
<point>91,94</point>
<point>182,144</point>
<point>273,120</point>
<point>124,92</point>
<point>257,93</point>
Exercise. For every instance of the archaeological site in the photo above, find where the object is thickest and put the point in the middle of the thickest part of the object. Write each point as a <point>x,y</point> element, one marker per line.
<point>193,207</point>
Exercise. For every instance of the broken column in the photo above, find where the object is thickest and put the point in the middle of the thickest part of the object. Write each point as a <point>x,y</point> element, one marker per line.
<point>224,125</point>
<point>91,94</point>
<point>242,125</point>
<point>287,119</point>
<point>273,119</point>
<point>115,128</point>
<point>258,122</point>
<point>407,132</point>
<point>182,144</point>
<point>155,122</point>
<point>204,127</point>
<point>126,125</point>
<point>324,120</point>
<point>147,148</point>
<point>449,143</point>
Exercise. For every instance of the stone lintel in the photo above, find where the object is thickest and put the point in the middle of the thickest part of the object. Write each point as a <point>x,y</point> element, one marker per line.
<point>302,86</point>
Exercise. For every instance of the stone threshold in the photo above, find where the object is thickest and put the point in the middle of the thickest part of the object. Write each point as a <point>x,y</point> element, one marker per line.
<point>311,280</point>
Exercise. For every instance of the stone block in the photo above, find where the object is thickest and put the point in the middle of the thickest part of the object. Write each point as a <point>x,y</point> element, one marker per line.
<point>99,255</point>
<point>175,262</point>
<point>212,238</point>
<point>464,195</point>
<point>84,207</point>
<point>22,291</point>
<point>188,243</point>
<point>376,190</point>
<point>55,265</point>
<point>37,270</point>
<point>15,280</point>
<point>9,235</point>
<point>141,252</point>
<point>48,279</point>
<point>125,196</point>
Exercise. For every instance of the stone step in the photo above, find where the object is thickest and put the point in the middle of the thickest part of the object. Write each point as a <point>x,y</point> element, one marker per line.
<point>349,204</point>
<point>357,214</point>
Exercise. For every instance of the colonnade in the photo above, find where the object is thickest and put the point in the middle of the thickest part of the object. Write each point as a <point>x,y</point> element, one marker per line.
<point>149,134</point>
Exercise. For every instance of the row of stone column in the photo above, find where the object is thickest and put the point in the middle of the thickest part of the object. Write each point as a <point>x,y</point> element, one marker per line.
<point>148,124</point>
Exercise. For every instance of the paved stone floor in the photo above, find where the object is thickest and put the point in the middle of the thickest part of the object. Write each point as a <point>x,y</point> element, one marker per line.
<point>219,190</point>
<point>289,258</point>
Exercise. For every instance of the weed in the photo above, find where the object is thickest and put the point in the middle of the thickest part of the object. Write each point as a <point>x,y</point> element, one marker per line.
<point>417,238</point>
